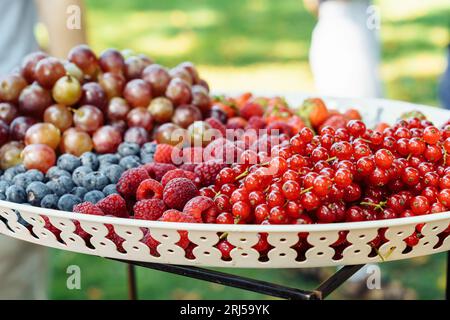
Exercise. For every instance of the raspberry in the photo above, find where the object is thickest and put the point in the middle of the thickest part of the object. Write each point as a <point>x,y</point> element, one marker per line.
<point>88,208</point>
<point>179,191</point>
<point>149,209</point>
<point>163,153</point>
<point>193,155</point>
<point>256,123</point>
<point>216,124</point>
<point>130,180</point>
<point>177,173</point>
<point>157,170</point>
<point>114,205</point>
<point>188,167</point>
<point>236,123</point>
<point>178,216</point>
<point>149,189</point>
<point>173,215</point>
<point>208,171</point>
<point>202,209</point>
<point>223,150</point>
<point>251,109</point>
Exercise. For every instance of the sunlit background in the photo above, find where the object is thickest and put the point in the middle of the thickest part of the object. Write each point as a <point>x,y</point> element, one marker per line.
<point>258,45</point>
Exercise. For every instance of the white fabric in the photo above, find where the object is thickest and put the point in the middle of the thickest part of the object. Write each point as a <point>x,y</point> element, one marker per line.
<point>17,21</point>
<point>23,270</point>
<point>344,53</point>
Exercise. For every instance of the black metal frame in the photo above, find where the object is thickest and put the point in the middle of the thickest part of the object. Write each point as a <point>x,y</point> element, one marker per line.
<point>263,287</point>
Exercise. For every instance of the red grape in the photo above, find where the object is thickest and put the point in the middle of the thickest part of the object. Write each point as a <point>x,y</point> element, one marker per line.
<point>76,142</point>
<point>158,78</point>
<point>38,156</point>
<point>93,94</point>
<point>185,115</point>
<point>179,91</point>
<point>19,127</point>
<point>112,83</point>
<point>140,117</point>
<point>85,59</point>
<point>33,100</point>
<point>29,63</point>
<point>118,109</point>
<point>48,71</point>
<point>58,115</point>
<point>43,133</point>
<point>111,60</point>
<point>11,87</point>
<point>8,112</point>
<point>138,93</point>
<point>106,139</point>
<point>88,118</point>
<point>136,135</point>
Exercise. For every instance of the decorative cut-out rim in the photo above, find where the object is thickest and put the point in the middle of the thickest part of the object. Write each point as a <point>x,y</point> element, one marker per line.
<point>375,224</point>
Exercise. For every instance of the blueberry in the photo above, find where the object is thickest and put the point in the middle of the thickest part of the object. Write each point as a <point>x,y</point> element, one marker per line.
<point>16,194</point>
<point>79,174</point>
<point>147,152</point>
<point>128,149</point>
<point>22,180</point>
<point>3,186</point>
<point>36,191</point>
<point>68,201</point>
<point>55,172</point>
<point>95,181</point>
<point>108,158</point>
<point>110,189</point>
<point>113,172</point>
<point>50,201</point>
<point>93,196</point>
<point>61,186</point>
<point>35,175</point>
<point>10,173</point>
<point>68,162</point>
<point>79,191</point>
<point>89,159</point>
<point>129,162</point>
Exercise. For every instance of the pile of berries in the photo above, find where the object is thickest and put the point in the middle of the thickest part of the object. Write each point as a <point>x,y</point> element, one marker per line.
<point>90,177</point>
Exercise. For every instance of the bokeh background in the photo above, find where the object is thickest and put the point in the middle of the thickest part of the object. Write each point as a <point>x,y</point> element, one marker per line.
<point>258,45</point>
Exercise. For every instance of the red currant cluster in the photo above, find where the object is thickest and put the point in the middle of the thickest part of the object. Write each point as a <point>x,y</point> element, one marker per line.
<point>343,175</point>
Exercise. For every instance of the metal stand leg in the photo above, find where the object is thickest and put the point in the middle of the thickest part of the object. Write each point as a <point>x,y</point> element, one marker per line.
<point>336,280</point>
<point>253,285</point>
<point>132,289</point>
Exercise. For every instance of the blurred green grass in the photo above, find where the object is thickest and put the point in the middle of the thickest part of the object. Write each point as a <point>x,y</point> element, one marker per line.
<point>264,45</point>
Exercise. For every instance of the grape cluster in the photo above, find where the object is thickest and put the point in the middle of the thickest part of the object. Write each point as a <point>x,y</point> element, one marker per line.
<point>87,103</point>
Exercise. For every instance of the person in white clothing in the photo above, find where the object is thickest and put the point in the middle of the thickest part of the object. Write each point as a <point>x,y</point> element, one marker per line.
<point>345,49</point>
<point>23,266</point>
